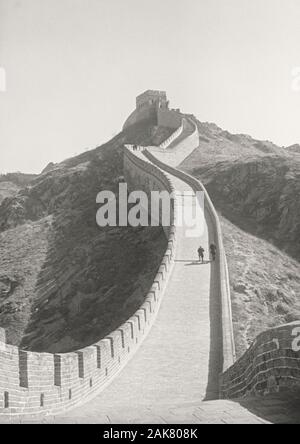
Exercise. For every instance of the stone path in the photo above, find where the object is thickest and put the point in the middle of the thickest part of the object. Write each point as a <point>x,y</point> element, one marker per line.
<point>174,363</point>
<point>273,409</point>
<point>188,129</point>
<point>178,150</point>
<point>173,377</point>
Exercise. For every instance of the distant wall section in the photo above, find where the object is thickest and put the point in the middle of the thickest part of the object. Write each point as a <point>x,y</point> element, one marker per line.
<point>44,383</point>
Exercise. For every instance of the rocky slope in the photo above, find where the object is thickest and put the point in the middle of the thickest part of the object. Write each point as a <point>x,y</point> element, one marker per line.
<point>11,183</point>
<point>255,185</point>
<point>64,281</point>
<point>265,284</point>
<point>7,189</point>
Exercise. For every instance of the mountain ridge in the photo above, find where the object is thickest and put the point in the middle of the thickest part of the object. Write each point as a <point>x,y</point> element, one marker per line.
<point>255,187</point>
<point>47,232</point>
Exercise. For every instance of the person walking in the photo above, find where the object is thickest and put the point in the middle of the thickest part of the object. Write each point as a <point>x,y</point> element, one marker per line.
<point>201,254</point>
<point>213,252</point>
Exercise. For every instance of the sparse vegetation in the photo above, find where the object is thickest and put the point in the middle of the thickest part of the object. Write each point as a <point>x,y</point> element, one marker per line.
<point>64,282</point>
<point>255,186</point>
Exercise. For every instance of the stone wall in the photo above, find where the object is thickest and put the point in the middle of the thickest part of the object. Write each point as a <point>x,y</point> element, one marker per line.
<point>187,144</point>
<point>45,383</point>
<point>144,113</point>
<point>270,365</point>
<point>172,152</point>
<point>173,137</point>
<point>168,118</point>
<point>152,179</point>
<point>228,345</point>
<point>151,96</point>
<point>153,107</point>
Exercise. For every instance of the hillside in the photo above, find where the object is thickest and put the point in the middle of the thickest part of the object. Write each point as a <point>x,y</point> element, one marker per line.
<point>7,189</point>
<point>65,282</point>
<point>11,183</point>
<point>255,186</point>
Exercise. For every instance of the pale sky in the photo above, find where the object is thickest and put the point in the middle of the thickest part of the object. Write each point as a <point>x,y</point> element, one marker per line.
<point>74,67</point>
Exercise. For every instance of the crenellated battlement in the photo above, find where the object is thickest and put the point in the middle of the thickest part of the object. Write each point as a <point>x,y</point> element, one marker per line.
<point>45,383</point>
<point>152,98</point>
<point>153,105</point>
<point>271,364</point>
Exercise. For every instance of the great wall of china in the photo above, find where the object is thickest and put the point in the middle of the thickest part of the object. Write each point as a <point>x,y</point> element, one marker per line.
<point>180,342</point>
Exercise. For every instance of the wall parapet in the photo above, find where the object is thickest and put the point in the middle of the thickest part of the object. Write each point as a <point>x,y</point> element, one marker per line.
<point>270,365</point>
<point>229,355</point>
<point>169,118</point>
<point>178,150</point>
<point>173,136</point>
<point>45,383</point>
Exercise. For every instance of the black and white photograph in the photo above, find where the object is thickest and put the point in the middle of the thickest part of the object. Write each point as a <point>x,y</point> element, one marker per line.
<point>149,215</point>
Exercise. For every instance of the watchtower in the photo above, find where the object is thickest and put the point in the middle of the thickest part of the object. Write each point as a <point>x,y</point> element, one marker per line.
<point>153,105</point>
<point>152,98</point>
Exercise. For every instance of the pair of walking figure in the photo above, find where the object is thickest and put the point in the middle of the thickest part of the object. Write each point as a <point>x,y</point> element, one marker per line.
<point>213,252</point>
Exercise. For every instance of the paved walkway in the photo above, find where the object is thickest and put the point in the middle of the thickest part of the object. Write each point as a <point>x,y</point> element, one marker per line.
<point>177,366</point>
<point>179,150</point>
<point>213,412</point>
<point>173,377</point>
<point>188,129</point>
<point>282,408</point>
<point>174,363</point>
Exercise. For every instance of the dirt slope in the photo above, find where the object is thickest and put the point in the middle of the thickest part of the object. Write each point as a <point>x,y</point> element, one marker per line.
<point>255,186</point>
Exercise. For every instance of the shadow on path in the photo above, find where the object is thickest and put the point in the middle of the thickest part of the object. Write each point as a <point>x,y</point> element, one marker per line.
<point>193,262</point>
<point>197,263</point>
<point>279,408</point>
